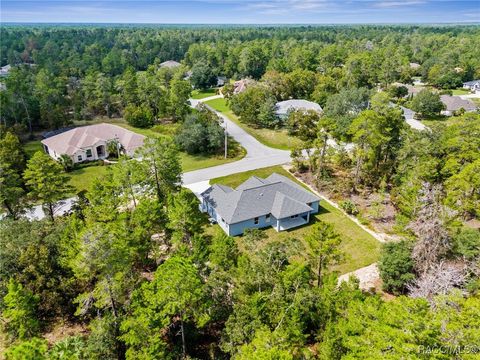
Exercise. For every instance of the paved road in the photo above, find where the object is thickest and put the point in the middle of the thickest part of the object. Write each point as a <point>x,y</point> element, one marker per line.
<point>409,118</point>
<point>258,155</point>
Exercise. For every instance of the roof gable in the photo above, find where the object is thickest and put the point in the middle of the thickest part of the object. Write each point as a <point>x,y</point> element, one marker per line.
<point>255,197</point>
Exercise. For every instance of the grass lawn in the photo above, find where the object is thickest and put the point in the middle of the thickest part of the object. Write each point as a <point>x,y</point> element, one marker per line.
<point>82,179</point>
<point>32,147</point>
<point>360,247</point>
<point>460,91</point>
<point>202,94</point>
<point>278,139</point>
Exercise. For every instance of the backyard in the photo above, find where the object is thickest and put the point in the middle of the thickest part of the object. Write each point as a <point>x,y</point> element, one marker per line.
<point>278,139</point>
<point>360,247</point>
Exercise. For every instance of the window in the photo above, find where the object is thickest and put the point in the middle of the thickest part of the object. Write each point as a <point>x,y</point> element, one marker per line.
<point>309,204</point>
<point>267,218</point>
<point>294,216</point>
<point>255,221</point>
<point>89,153</point>
<point>223,220</point>
<point>79,157</point>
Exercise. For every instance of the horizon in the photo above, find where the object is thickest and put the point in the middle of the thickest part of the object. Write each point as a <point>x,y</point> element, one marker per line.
<point>236,12</point>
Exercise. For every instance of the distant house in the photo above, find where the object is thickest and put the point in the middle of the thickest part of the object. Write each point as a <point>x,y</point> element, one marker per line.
<point>473,86</point>
<point>283,108</point>
<point>412,90</point>
<point>414,66</point>
<point>4,70</point>
<point>258,203</point>
<point>170,64</point>
<point>241,85</point>
<point>221,80</point>
<point>455,103</point>
<point>89,143</point>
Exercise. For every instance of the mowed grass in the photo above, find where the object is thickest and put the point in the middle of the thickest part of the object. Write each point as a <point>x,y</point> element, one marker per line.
<point>202,94</point>
<point>278,139</point>
<point>32,147</point>
<point>82,178</point>
<point>460,91</point>
<point>361,248</point>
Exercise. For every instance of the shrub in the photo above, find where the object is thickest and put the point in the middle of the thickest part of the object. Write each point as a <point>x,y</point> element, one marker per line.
<point>138,116</point>
<point>349,207</point>
<point>396,266</point>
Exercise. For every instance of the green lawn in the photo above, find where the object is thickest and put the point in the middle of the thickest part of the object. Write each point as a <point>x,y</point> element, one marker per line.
<point>32,147</point>
<point>82,179</point>
<point>460,91</point>
<point>360,247</point>
<point>278,139</point>
<point>202,94</point>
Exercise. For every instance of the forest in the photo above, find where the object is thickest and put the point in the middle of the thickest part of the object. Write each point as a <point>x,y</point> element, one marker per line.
<point>135,271</point>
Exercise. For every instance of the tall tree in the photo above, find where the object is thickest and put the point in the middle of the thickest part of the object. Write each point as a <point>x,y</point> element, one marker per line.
<point>323,248</point>
<point>161,166</point>
<point>46,182</point>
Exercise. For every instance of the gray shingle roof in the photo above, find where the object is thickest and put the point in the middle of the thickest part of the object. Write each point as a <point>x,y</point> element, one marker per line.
<point>276,195</point>
<point>454,103</point>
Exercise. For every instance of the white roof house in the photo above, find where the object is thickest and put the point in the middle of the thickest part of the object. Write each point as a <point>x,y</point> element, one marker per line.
<point>4,70</point>
<point>170,64</point>
<point>283,108</point>
<point>473,86</point>
<point>88,143</point>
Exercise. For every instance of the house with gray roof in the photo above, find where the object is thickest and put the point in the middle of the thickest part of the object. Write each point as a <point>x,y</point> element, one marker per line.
<point>283,108</point>
<point>455,103</point>
<point>473,86</point>
<point>258,203</point>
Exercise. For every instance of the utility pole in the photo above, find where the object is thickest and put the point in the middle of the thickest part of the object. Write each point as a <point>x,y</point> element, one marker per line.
<point>226,140</point>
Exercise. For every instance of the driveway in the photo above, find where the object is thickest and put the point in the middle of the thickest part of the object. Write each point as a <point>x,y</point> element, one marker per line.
<point>413,123</point>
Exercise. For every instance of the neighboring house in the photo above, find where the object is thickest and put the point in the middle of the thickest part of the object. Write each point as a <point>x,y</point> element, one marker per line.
<point>283,108</point>
<point>473,86</point>
<point>258,203</point>
<point>241,85</point>
<point>170,64</point>
<point>4,70</point>
<point>455,103</point>
<point>221,80</point>
<point>412,90</point>
<point>89,143</point>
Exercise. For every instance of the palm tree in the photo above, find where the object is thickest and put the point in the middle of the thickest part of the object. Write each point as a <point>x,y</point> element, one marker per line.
<point>66,162</point>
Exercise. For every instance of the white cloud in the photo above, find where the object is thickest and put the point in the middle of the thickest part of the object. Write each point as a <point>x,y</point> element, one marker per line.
<point>395,3</point>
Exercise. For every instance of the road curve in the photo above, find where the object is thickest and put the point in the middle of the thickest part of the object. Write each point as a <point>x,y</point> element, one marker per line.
<point>258,155</point>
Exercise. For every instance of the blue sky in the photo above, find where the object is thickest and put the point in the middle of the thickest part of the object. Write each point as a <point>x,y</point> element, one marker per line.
<point>242,11</point>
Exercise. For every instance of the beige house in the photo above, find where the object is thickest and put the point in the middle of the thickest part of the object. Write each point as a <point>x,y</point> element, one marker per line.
<point>88,143</point>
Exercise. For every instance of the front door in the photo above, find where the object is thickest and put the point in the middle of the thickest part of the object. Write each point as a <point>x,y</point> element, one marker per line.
<point>101,151</point>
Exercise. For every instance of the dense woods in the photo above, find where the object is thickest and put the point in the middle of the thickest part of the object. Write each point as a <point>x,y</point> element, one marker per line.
<point>135,271</point>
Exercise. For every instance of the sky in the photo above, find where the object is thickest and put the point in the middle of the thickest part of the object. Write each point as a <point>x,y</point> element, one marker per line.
<point>241,11</point>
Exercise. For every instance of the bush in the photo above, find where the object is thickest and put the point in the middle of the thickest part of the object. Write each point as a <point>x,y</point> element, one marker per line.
<point>138,116</point>
<point>201,133</point>
<point>349,207</point>
<point>467,244</point>
<point>396,266</point>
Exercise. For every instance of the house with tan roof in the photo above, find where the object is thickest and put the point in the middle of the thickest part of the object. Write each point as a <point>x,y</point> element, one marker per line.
<point>171,64</point>
<point>88,143</point>
<point>258,203</point>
